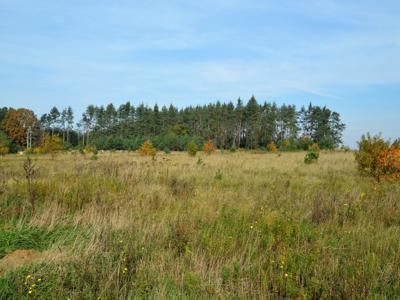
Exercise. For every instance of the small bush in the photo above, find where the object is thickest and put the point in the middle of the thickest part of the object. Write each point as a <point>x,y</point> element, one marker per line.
<point>304,142</point>
<point>90,149</point>
<point>272,147</point>
<point>48,144</point>
<point>368,156</point>
<point>314,147</point>
<point>209,147</point>
<point>311,157</point>
<point>4,150</point>
<point>192,148</point>
<point>233,149</point>
<point>147,149</point>
<point>389,162</point>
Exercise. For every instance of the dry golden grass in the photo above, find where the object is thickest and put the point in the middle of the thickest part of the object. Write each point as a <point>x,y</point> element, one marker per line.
<point>234,225</point>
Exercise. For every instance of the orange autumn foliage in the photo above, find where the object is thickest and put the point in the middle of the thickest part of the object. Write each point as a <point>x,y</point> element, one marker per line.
<point>209,147</point>
<point>389,162</point>
<point>16,123</point>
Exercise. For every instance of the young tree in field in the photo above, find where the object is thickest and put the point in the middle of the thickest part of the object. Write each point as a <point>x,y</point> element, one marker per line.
<point>192,148</point>
<point>51,144</point>
<point>147,149</point>
<point>17,123</point>
<point>209,147</point>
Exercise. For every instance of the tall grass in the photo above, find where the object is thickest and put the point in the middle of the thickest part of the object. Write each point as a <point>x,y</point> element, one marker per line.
<point>238,225</point>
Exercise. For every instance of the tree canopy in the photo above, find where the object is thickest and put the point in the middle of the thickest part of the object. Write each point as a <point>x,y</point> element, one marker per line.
<point>229,125</point>
<point>16,123</point>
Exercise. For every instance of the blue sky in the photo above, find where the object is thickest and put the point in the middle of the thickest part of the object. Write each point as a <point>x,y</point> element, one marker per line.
<point>344,54</point>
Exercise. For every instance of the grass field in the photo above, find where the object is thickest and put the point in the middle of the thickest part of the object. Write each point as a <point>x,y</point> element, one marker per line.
<point>226,226</point>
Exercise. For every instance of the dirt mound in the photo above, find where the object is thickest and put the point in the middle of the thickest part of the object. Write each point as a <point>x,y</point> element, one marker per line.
<point>17,259</point>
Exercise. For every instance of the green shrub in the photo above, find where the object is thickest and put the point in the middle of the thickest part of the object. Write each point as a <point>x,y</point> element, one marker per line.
<point>192,148</point>
<point>311,157</point>
<point>90,149</point>
<point>369,151</point>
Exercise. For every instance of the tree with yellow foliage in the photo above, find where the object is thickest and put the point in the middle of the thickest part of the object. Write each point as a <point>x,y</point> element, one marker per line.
<point>147,149</point>
<point>49,144</point>
<point>16,124</point>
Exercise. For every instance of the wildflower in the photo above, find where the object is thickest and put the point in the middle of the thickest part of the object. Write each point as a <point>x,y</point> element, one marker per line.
<point>29,276</point>
<point>345,204</point>
<point>286,275</point>
<point>30,292</point>
<point>251,227</point>
<point>121,241</point>
<point>39,280</point>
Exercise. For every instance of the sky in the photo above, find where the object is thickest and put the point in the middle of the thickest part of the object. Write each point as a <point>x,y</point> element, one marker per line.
<point>344,54</point>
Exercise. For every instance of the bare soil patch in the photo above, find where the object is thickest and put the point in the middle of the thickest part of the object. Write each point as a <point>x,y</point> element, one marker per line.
<point>18,258</point>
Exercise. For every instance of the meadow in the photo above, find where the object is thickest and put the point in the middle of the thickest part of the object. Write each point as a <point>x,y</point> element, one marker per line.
<point>237,225</point>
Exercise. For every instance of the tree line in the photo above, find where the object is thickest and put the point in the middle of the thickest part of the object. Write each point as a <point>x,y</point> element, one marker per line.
<point>251,126</point>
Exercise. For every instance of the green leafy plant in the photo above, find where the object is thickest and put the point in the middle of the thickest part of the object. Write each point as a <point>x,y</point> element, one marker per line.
<point>312,156</point>
<point>370,148</point>
<point>192,148</point>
